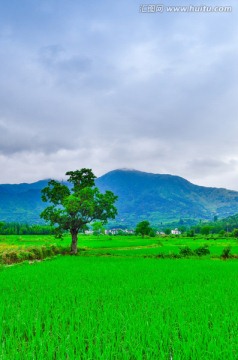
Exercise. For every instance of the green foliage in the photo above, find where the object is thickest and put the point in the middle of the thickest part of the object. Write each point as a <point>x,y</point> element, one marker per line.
<point>152,233</point>
<point>226,225</point>
<point>205,230</point>
<point>202,250</point>
<point>72,210</point>
<point>226,252</point>
<point>17,255</point>
<point>190,233</point>
<point>235,233</point>
<point>25,229</point>
<point>186,251</point>
<point>98,228</point>
<point>143,228</point>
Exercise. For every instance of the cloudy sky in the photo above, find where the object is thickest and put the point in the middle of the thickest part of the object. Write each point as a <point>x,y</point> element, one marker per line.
<point>105,86</point>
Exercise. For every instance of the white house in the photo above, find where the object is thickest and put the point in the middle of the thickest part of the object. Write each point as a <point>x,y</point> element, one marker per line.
<point>88,232</point>
<point>175,232</point>
<point>116,231</point>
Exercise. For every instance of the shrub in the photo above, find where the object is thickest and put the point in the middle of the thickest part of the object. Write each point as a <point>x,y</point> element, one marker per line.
<point>226,252</point>
<point>202,250</point>
<point>31,256</point>
<point>22,255</point>
<point>9,257</point>
<point>46,251</point>
<point>32,253</point>
<point>37,251</point>
<point>235,233</point>
<point>55,249</point>
<point>152,233</point>
<point>186,251</point>
<point>190,233</point>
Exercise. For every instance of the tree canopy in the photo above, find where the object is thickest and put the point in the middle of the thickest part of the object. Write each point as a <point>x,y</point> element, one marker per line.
<point>143,228</point>
<point>72,208</point>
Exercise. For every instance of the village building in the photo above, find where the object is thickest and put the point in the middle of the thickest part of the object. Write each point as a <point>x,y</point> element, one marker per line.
<point>175,232</point>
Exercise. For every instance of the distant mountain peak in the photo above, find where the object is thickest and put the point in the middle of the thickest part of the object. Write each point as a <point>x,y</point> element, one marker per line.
<point>130,170</point>
<point>125,169</point>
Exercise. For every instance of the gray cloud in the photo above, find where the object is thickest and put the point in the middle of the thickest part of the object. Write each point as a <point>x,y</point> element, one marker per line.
<point>82,86</point>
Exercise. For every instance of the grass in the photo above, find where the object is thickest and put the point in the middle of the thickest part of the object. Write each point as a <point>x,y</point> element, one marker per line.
<point>121,245</point>
<point>119,308</point>
<point>15,249</point>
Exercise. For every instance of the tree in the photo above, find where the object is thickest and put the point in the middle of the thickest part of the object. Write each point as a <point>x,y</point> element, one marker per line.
<point>1,225</point>
<point>205,230</point>
<point>190,233</point>
<point>226,252</point>
<point>73,208</point>
<point>143,228</point>
<point>152,233</point>
<point>98,228</point>
<point>235,233</point>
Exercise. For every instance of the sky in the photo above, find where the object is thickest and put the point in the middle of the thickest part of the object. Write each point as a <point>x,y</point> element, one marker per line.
<point>108,85</point>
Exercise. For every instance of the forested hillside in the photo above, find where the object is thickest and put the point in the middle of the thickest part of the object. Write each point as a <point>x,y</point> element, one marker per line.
<point>154,197</point>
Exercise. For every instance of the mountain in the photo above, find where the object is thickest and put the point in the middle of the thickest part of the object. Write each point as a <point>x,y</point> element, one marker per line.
<point>154,197</point>
<point>21,202</point>
<point>165,198</point>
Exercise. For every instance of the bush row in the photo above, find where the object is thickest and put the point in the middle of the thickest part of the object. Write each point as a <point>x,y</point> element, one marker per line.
<point>200,251</point>
<point>11,256</point>
<point>186,251</point>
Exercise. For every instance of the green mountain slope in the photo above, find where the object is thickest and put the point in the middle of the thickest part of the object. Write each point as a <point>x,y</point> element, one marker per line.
<point>164,198</point>
<point>157,198</point>
<point>21,202</point>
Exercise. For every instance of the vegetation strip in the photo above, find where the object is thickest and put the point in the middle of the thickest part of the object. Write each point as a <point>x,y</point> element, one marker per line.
<point>13,256</point>
<point>14,249</point>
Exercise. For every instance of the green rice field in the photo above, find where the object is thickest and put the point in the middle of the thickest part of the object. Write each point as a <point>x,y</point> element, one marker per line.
<point>119,308</point>
<point>118,300</point>
<point>122,245</point>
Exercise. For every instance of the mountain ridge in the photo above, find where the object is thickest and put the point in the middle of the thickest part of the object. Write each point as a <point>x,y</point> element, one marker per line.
<point>167,197</point>
<point>142,195</point>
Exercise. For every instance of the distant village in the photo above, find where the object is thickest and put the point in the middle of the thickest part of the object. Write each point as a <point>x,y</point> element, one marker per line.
<point>118,231</point>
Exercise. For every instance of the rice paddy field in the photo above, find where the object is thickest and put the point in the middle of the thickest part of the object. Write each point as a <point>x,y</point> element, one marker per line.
<point>122,245</point>
<point>119,307</point>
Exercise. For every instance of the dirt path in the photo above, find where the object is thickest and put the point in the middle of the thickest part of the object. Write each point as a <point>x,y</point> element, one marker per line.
<point>126,247</point>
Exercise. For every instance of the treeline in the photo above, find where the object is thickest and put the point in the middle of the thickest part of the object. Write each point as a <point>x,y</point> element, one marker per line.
<point>24,229</point>
<point>228,225</point>
<point>209,229</point>
<point>206,229</point>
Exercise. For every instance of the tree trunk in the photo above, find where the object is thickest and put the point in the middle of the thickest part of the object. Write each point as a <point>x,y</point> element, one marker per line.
<point>74,248</point>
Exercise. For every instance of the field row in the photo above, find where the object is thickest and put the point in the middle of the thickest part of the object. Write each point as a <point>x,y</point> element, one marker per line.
<point>119,308</point>
<point>29,247</point>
